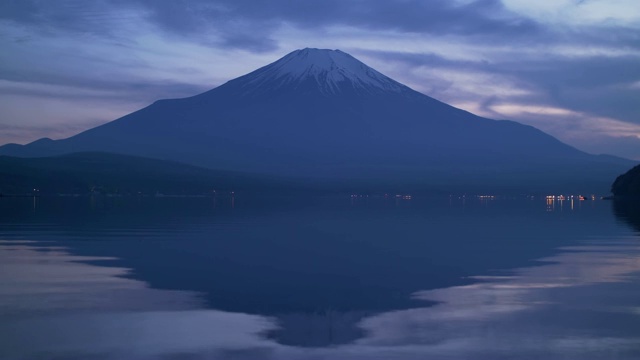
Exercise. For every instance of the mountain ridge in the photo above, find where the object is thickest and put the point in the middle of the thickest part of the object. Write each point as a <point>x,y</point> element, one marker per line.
<point>97,172</point>
<point>322,113</point>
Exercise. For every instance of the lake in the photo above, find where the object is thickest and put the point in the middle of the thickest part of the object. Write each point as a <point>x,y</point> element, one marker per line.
<point>336,277</point>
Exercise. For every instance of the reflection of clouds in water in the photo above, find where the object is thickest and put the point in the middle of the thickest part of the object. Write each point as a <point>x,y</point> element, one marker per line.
<point>47,279</point>
<point>576,304</point>
<point>52,304</point>
<point>135,334</point>
<point>533,313</point>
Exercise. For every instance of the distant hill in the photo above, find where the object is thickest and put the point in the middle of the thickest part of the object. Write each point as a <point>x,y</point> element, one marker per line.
<point>627,184</point>
<point>82,173</point>
<point>324,115</point>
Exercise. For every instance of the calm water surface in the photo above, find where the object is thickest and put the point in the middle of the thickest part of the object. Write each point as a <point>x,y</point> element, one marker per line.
<point>318,278</point>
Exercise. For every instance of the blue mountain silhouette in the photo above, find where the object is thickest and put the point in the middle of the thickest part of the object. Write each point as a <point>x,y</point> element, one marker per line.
<point>323,114</point>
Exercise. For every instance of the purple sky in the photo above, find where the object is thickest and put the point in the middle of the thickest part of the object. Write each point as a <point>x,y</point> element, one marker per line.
<point>568,67</point>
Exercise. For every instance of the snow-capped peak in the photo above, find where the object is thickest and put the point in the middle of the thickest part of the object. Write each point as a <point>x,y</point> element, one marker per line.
<point>331,70</point>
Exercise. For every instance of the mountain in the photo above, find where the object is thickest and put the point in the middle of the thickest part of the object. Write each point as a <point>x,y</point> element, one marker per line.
<point>323,114</point>
<point>627,184</point>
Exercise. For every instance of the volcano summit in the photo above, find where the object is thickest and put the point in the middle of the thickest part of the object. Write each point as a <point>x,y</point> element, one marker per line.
<point>322,114</point>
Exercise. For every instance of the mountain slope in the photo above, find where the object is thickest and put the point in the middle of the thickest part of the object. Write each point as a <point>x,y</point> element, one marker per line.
<point>324,114</point>
<point>627,184</point>
<point>81,173</point>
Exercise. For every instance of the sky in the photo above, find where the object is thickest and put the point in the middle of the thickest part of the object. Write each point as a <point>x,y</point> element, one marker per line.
<point>568,67</point>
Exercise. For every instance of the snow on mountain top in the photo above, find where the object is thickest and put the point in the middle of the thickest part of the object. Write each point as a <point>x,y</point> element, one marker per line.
<point>331,69</point>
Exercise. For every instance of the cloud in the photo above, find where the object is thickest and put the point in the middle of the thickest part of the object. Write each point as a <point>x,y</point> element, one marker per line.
<point>49,119</point>
<point>577,12</point>
<point>206,20</point>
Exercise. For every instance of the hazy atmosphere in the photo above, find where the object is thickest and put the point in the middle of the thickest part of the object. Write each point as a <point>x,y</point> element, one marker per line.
<point>570,68</point>
<point>320,180</point>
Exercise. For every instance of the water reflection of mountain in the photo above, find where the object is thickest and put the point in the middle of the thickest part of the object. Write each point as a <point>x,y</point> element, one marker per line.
<point>317,266</point>
<point>580,303</point>
<point>628,210</point>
